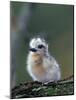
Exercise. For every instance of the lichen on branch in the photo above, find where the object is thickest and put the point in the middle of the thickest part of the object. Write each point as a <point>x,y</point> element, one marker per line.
<point>37,89</point>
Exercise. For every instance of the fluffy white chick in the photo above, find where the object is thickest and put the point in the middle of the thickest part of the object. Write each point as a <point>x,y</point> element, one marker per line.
<point>41,66</point>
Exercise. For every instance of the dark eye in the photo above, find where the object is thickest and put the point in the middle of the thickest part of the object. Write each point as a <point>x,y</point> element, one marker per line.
<point>40,46</point>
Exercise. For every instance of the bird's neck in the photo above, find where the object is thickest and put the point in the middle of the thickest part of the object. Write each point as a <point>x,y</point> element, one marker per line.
<point>37,58</point>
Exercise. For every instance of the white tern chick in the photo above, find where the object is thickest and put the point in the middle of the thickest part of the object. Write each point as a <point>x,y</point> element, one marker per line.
<point>41,66</point>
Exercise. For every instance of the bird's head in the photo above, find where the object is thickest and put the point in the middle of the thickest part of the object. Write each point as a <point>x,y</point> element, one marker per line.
<point>38,45</point>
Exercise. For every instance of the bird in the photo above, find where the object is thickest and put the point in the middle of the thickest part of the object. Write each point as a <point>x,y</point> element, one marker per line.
<point>41,65</point>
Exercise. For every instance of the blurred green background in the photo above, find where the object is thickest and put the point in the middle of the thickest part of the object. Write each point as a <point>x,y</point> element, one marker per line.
<point>52,21</point>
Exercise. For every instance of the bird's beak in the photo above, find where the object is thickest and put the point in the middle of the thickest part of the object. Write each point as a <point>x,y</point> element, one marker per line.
<point>33,49</point>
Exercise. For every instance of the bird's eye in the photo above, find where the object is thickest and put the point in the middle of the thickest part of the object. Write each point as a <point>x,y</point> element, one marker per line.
<point>40,46</point>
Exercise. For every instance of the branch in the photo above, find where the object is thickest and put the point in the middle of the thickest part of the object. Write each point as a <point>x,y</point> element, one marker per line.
<point>38,89</point>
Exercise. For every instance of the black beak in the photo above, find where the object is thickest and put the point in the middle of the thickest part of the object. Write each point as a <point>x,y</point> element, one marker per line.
<point>33,49</point>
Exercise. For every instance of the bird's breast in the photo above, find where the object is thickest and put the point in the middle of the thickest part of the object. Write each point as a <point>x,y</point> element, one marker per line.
<point>37,65</point>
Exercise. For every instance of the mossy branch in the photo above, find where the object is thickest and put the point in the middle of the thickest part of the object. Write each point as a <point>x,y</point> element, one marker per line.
<point>37,89</point>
